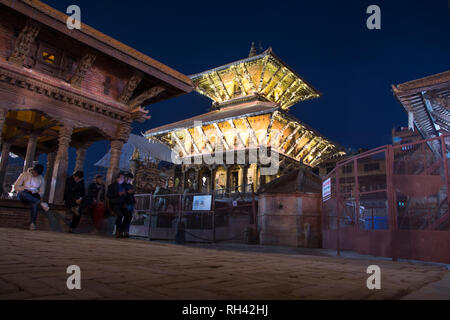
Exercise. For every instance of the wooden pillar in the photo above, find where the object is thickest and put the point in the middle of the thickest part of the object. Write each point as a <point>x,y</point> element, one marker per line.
<point>183,178</point>
<point>31,152</point>
<point>123,132</point>
<point>197,180</point>
<point>241,180</point>
<point>81,156</point>
<point>228,180</point>
<point>114,163</point>
<point>48,174</point>
<point>257,173</point>
<point>262,178</point>
<point>3,114</point>
<point>4,162</point>
<point>213,180</point>
<point>5,148</point>
<point>244,177</point>
<point>59,175</point>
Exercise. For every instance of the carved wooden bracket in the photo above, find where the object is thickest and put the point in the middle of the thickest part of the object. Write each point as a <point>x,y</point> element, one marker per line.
<point>150,93</point>
<point>24,42</point>
<point>83,67</point>
<point>131,85</point>
<point>139,114</point>
<point>123,132</point>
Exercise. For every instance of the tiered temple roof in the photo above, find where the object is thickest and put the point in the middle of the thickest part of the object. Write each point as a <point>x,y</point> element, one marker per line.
<point>263,76</point>
<point>251,98</point>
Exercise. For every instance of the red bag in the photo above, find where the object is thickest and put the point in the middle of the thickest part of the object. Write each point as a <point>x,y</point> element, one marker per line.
<point>98,211</point>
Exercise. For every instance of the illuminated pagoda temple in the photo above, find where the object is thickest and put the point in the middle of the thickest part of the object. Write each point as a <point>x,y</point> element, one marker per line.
<point>251,99</point>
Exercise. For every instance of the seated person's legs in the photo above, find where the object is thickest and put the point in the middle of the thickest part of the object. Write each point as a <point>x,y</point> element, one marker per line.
<point>34,201</point>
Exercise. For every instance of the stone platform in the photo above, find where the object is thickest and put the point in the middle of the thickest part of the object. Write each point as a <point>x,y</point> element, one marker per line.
<point>33,266</point>
<point>16,214</point>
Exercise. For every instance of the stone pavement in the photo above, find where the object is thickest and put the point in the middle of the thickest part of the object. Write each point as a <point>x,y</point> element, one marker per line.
<point>33,266</point>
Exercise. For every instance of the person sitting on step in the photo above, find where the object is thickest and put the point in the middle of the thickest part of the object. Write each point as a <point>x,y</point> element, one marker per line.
<point>30,188</point>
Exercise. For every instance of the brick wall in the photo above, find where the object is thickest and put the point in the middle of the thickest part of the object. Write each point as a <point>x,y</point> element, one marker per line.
<point>290,219</point>
<point>54,220</point>
<point>11,24</point>
<point>7,38</point>
<point>95,78</point>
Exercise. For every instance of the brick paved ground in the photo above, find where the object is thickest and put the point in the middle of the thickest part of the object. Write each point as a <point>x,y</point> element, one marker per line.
<point>33,266</point>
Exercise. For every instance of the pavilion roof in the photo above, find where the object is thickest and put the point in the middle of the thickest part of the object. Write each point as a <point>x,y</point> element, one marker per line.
<point>214,116</point>
<point>428,99</point>
<point>288,135</point>
<point>264,76</point>
<point>101,42</point>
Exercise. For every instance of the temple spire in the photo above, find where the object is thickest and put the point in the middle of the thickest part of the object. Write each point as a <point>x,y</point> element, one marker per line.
<point>252,50</point>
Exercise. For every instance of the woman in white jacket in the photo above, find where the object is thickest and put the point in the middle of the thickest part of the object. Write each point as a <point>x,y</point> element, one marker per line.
<point>30,188</point>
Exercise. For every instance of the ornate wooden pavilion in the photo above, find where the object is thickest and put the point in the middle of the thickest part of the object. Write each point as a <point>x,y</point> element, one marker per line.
<point>427,102</point>
<point>62,88</point>
<point>251,99</point>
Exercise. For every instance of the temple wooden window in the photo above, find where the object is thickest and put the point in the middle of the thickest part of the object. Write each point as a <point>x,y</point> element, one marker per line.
<point>50,60</point>
<point>48,57</point>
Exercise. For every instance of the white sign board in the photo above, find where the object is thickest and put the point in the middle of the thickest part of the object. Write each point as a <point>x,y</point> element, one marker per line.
<point>326,190</point>
<point>202,203</point>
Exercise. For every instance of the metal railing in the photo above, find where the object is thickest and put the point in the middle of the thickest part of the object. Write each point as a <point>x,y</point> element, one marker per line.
<point>163,214</point>
<point>409,191</point>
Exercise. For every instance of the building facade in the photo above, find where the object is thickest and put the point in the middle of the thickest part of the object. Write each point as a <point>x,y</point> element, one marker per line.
<point>62,88</point>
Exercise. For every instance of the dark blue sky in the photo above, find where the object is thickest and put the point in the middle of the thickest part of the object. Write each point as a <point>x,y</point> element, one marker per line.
<point>326,42</point>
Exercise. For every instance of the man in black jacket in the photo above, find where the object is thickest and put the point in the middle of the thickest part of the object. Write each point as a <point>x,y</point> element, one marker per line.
<point>117,196</point>
<point>73,197</point>
<point>95,192</point>
<point>130,200</point>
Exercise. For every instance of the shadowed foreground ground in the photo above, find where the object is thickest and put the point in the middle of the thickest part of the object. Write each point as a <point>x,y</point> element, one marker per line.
<point>33,265</point>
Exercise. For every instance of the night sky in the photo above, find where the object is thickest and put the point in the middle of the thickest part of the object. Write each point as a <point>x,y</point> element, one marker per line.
<point>326,42</point>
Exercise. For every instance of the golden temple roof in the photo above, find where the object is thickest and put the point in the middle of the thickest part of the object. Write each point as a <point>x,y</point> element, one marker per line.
<point>244,126</point>
<point>251,98</point>
<point>263,77</point>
